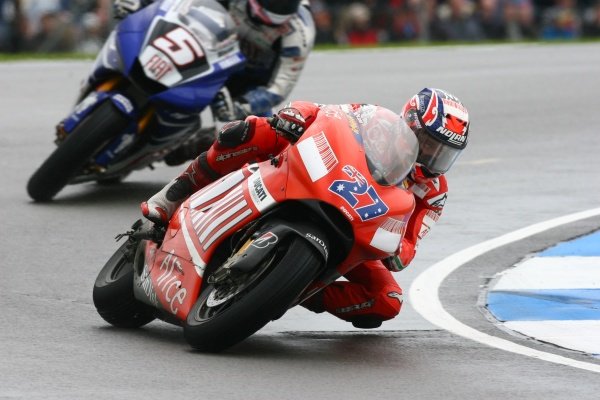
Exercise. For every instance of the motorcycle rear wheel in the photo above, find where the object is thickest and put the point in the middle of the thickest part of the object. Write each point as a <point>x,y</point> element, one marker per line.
<point>277,282</point>
<point>71,155</point>
<point>113,293</point>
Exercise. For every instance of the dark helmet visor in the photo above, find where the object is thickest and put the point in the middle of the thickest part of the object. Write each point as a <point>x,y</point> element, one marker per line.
<point>434,155</point>
<point>281,7</point>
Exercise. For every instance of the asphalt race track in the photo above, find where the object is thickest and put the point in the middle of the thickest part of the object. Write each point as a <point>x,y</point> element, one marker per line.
<point>532,157</point>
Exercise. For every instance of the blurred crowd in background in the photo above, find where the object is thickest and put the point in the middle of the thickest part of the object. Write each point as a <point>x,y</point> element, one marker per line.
<point>82,25</point>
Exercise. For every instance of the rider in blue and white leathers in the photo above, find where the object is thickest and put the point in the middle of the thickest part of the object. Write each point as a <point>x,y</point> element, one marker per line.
<point>276,52</point>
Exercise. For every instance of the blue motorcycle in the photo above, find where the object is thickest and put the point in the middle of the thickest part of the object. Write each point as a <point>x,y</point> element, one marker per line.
<point>157,71</point>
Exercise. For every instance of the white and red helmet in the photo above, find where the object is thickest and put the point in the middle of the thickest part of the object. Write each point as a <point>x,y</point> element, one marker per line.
<point>441,123</point>
<point>273,12</point>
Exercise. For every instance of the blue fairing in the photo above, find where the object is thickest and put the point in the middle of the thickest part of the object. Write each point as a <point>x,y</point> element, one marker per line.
<point>132,31</point>
<point>195,95</point>
<point>93,100</point>
<point>192,96</point>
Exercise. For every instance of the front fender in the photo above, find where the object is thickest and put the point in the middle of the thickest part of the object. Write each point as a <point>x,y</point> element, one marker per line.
<point>275,231</point>
<point>92,101</point>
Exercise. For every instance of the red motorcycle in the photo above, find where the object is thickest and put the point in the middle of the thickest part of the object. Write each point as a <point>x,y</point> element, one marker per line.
<point>243,250</point>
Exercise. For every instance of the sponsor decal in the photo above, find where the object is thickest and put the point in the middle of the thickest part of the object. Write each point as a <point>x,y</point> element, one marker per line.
<point>320,242</point>
<point>456,138</point>
<point>259,190</point>
<point>361,196</point>
<point>355,307</point>
<point>317,155</point>
<point>146,285</point>
<point>169,284</point>
<point>157,67</point>
<point>397,296</point>
<point>261,197</point>
<point>230,61</point>
<point>227,156</point>
<point>347,213</point>
<point>124,101</point>
<point>438,201</point>
<point>265,240</point>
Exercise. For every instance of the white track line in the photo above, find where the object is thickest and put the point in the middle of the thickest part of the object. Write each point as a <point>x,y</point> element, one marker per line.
<point>424,297</point>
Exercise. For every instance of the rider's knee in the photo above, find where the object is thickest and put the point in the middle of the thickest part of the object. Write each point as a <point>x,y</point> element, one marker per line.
<point>389,303</point>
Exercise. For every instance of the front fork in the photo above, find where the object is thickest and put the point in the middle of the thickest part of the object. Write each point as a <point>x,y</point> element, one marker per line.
<point>89,99</point>
<point>126,98</point>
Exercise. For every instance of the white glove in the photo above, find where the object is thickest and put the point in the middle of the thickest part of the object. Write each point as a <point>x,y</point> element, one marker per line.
<point>123,8</point>
<point>222,106</point>
<point>226,109</point>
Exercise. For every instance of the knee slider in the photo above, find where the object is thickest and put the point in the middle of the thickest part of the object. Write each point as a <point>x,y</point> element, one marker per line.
<point>390,302</point>
<point>234,134</point>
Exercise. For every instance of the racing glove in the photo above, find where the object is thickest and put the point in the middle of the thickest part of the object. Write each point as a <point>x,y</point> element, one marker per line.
<point>123,8</point>
<point>289,123</point>
<point>241,108</point>
<point>393,263</point>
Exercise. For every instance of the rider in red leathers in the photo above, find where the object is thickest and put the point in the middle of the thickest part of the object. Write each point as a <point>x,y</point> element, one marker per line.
<point>371,294</point>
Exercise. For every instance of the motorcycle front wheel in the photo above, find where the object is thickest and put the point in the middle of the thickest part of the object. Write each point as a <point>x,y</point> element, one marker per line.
<point>113,292</point>
<point>224,315</point>
<point>104,123</point>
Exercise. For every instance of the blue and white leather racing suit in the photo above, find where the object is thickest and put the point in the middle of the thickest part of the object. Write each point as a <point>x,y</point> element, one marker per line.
<point>276,56</point>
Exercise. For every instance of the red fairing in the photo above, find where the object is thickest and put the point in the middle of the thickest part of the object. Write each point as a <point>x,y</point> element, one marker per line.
<point>329,164</point>
<point>194,232</point>
<point>333,167</point>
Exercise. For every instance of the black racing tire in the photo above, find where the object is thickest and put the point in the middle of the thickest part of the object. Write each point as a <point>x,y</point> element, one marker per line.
<point>113,293</point>
<point>288,273</point>
<point>104,123</point>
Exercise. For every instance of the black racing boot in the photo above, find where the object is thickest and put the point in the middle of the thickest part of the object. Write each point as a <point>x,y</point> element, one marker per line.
<point>366,322</point>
